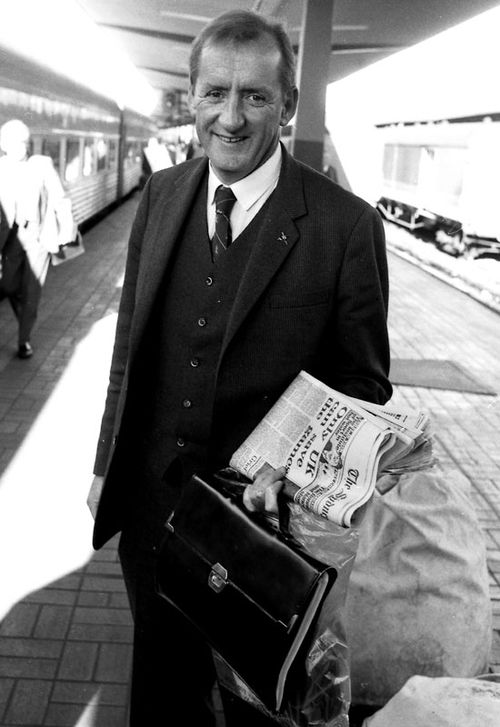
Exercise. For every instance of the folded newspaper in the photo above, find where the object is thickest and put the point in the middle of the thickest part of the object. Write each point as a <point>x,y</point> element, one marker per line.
<point>334,447</point>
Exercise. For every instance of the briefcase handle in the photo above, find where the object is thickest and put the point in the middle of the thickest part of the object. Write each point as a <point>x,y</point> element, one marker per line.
<point>232,484</point>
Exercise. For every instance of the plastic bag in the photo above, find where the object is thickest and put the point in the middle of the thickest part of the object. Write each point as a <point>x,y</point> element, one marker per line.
<point>321,694</point>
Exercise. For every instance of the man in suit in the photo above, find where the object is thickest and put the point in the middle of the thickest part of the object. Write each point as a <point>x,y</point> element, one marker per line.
<point>216,320</point>
<point>35,218</point>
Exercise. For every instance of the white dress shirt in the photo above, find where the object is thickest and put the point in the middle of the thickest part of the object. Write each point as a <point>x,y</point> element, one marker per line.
<point>251,192</point>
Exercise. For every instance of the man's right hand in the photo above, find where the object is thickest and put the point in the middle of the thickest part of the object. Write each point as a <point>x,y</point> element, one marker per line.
<point>262,493</point>
<point>95,494</point>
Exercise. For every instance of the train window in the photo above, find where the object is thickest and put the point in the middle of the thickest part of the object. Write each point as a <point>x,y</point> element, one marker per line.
<point>88,157</point>
<point>131,153</point>
<point>408,164</point>
<point>102,154</point>
<point>51,147</point>
<point>72,170</point>
<point>35,145</point>
<point>390,154</point>
<point>449,167</point>
<point>113,153</point>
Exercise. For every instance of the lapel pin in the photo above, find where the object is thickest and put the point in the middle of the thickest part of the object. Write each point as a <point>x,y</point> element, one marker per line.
<point>283,238</point>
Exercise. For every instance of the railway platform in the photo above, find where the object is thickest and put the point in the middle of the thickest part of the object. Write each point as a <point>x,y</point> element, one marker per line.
<point>65,627</point>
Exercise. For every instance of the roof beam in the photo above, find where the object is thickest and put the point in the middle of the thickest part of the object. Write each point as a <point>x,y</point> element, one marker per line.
<point>346,48</point>
<point>181,38</point>
<point>267,7</point>
<point>160,34</point>
<point>165,71</point>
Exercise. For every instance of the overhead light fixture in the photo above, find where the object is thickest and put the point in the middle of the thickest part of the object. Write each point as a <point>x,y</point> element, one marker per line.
<point>336,28</point>
<point>350,27</point>
<point>185,16</point>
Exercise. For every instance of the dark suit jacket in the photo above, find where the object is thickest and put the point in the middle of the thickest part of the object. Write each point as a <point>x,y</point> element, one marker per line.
<point>313,296</point>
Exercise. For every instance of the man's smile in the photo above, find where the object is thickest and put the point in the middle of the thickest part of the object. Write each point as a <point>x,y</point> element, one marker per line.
<point>230,139</point>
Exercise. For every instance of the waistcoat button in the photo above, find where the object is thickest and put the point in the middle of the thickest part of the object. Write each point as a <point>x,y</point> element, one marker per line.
<point>209,280</point>
<point>187,403</point>
<point>202,322</point>
<point>195,362</point>
<point>180,442</point>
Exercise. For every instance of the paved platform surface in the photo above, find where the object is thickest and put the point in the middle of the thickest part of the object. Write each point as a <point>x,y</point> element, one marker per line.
<point>65,630</point>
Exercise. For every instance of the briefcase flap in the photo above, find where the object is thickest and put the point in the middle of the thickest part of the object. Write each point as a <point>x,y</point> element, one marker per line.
<point>240,582</point>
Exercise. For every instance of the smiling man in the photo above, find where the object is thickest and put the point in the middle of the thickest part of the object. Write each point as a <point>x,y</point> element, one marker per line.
<point>240,103</point>
<point>244,267</point>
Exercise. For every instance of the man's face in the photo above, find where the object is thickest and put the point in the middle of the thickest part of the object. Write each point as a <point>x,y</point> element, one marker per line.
<point>239,106</point>
<point>15,148</point>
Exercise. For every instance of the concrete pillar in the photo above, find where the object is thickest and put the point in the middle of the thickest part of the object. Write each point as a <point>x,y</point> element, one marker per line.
<point>312,74</point>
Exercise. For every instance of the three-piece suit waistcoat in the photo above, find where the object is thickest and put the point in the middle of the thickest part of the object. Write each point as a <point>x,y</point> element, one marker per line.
<point>180,351</point>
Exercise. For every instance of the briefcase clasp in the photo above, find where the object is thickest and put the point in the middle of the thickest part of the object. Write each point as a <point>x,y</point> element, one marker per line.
<point>217,579</point>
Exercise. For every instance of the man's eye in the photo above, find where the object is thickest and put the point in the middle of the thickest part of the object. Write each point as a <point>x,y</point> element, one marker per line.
<point>256,99</point>
<point>214,95</point>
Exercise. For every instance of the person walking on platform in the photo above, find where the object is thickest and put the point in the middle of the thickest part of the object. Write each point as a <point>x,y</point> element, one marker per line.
<point>244,267</point>
<point>35,219</point>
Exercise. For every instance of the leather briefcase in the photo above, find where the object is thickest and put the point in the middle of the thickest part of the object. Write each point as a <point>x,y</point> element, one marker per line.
<point>250,589</point>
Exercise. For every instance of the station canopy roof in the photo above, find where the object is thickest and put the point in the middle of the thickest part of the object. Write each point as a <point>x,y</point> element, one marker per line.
<point>157,34</point>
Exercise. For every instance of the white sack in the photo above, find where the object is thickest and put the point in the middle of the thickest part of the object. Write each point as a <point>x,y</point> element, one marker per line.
<point>418,600</point>
<point>441,702</point>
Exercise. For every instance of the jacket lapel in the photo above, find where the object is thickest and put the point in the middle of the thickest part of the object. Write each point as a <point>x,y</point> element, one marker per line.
<point>160,242</point>
<point>278,235</point>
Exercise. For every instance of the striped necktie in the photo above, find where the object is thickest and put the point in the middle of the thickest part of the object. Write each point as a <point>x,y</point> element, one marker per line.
<point>224,201</point>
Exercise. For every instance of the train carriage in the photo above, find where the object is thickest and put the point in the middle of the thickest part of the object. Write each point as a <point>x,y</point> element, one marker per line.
<point>136,131</point>
<point>443,177</point>
<point>96,147</point>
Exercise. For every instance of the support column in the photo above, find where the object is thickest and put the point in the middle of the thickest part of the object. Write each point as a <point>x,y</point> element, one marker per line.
<point>312,68</point>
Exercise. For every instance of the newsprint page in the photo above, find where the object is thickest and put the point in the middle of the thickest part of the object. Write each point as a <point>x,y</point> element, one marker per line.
<point>334,447</point>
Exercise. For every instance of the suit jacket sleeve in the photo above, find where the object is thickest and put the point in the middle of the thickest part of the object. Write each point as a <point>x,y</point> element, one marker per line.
<point>361,343</point>
<point>119,359</point>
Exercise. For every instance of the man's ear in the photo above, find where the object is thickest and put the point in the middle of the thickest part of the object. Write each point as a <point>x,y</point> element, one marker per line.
<point>190,98</point>
<point>289,106</point>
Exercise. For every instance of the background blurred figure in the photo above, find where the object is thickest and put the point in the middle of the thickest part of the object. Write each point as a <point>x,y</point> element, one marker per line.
<point>36,219</point>
<point>154,157</point>
<point>194,149</point>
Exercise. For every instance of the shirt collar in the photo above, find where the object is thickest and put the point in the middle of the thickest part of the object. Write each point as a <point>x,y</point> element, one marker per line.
<point>249,189</point>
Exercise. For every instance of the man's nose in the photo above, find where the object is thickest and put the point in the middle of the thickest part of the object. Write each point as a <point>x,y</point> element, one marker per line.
<point>231,116</point>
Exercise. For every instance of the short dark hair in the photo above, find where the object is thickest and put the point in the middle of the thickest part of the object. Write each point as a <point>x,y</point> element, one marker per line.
<point>244,26</point>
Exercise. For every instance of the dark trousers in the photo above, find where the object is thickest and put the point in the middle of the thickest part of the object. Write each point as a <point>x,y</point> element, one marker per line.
<point>173,673</point>
<point>22,279</point>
